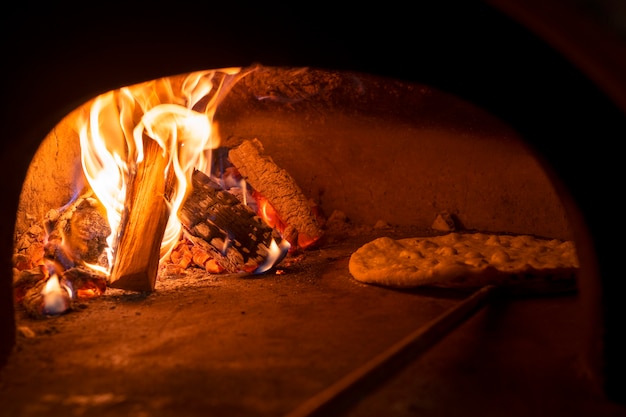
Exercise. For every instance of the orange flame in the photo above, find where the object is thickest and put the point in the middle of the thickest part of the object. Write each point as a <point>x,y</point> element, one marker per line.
<point>176,112</point>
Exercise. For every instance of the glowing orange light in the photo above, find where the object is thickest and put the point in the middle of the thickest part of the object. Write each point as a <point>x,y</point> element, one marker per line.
<point>267,212</point>
<point>276,251</point>
<point>177,113</point>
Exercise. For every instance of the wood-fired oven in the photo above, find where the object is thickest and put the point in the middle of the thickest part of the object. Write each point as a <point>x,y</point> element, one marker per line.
<point>506,115</point>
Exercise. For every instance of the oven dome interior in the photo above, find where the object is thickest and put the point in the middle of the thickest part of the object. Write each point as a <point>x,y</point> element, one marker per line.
<point>373,148</point>
<point>533,73</point>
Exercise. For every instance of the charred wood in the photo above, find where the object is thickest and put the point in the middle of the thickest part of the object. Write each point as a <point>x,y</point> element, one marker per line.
<point>85,282</point>
<point>224,228</point>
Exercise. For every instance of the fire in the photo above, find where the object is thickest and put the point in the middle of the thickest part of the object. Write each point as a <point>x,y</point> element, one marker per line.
<point>56,298</point>
<point>269,214</point>
<point>192,211</point>
<point>277,251</point>
<point>175,112</point>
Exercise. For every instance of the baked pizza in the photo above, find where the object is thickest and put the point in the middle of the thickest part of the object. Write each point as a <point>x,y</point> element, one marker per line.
<point>464,260</point>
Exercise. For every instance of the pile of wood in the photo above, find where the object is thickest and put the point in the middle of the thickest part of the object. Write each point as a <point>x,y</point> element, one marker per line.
<point>302,226</point>
<point>71,238</point>
<point>222,233</point>
<point>228,231</point>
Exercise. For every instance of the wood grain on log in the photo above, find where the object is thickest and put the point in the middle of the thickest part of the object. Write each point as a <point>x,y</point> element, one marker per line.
<point>279,188</point>
<point>224,227</point>
<point>137,253</point>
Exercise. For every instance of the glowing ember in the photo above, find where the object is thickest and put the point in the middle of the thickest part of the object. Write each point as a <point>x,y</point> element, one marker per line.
<point>146,154</point>
<point>199,212</point>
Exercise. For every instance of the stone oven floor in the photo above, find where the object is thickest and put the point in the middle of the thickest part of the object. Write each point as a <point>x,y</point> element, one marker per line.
<point>228,345</point>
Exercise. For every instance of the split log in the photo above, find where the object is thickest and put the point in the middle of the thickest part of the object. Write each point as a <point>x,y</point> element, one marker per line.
<point>143,224</point>
<point>77,234</point>
<point>82,283</point>
<point>40,303</point>
<point>85,282</point>
<point>279,188</point>
<point>224,227</point>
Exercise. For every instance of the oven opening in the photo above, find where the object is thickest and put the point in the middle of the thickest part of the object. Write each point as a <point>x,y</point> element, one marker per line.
<point>379,136</point>
<point>180,210</point>
<point>232,170</point>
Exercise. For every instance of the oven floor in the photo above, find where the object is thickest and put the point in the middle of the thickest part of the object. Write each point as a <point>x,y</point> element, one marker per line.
<point>260,346</point>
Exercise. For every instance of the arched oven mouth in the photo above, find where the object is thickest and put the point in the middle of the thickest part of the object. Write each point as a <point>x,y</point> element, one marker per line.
<point>383,148</point>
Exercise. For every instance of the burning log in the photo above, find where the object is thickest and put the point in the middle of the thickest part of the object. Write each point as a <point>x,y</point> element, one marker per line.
<point>25,280</point>
<point>74,236</point>
<point>29,248</point>
<point>85,282</point>
<point>77,234</point>
<point>137,253</point>
<point>281,191</point>
<point>224,228</point>
<point>43,295</point>
<point>47,298</point>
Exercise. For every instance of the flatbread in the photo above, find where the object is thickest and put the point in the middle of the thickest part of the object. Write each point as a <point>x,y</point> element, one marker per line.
<point>464,260</point>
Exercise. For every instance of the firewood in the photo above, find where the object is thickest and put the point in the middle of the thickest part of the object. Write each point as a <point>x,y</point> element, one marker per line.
<point>77,235</point>
<point>82,282</point>
<point>85,282</point>
<point>25,280</point>
<point>23,261</point>
<point>32,300</point>
<point>279,188</point>
<point>38,305</point>
<point>29,247</point>
<point>227,230</point>
<point>137,252</point>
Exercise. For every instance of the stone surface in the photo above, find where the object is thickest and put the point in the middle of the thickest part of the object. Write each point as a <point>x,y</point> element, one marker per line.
<point>261,345</point>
